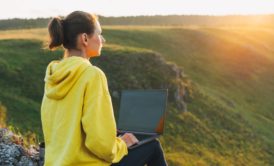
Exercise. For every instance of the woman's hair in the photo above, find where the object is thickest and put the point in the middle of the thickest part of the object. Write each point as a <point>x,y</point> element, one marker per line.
<point>65,31</point>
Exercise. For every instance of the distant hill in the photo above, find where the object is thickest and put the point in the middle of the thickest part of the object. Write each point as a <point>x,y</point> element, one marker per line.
<point>169,20</point>
<point>23,23</point>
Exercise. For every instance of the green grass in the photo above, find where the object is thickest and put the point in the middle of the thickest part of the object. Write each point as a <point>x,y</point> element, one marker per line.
<point>230,113</point>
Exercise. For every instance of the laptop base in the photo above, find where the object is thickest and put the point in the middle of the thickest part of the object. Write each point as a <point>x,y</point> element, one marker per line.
<point>142,137</point>
<point>144,141</point>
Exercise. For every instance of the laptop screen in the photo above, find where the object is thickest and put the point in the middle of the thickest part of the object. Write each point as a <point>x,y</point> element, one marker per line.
<point>142,110</point>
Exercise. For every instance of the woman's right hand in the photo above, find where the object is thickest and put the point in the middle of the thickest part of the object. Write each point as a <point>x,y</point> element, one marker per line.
<point>129,139</point>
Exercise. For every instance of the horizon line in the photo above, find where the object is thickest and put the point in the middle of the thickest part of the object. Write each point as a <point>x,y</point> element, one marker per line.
<point>148,15</point>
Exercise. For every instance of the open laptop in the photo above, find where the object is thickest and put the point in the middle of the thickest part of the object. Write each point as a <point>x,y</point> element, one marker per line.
<point>142,113</point>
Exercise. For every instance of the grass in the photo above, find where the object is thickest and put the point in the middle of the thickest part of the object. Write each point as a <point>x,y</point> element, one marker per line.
<point>230,115</point>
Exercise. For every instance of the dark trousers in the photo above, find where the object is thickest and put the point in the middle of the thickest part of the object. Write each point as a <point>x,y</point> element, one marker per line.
<point>150,153</point>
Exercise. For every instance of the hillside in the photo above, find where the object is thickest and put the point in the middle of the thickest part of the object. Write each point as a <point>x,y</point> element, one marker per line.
<point>229,118</point>
<point>233,64</point>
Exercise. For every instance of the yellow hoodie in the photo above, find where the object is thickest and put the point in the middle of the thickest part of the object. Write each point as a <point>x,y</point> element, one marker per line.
<point>77,116</point>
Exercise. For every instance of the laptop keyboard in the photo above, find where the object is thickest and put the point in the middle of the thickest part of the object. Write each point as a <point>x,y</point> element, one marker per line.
<point>142,137</point>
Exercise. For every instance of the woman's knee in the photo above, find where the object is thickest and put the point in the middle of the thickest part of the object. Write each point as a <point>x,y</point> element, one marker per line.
<point>156,144</point>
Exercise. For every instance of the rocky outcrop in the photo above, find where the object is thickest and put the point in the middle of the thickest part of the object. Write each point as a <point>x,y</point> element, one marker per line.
<point>13,152</point>
<point>145,70</point>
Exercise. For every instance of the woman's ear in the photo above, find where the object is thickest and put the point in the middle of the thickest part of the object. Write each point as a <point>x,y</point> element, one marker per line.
<point>84,39</point>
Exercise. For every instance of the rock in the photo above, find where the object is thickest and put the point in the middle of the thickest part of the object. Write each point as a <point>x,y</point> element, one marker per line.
<point>25,161</point>
<point>12,154</point>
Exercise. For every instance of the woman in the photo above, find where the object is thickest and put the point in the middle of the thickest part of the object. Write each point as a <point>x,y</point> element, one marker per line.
<point>77,115</point>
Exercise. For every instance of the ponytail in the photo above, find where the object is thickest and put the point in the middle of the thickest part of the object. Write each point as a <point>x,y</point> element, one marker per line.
<point>65,31</point>
<point>56,32</point>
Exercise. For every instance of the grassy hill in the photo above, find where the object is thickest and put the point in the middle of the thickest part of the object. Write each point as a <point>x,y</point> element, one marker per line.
<point>230,113</point>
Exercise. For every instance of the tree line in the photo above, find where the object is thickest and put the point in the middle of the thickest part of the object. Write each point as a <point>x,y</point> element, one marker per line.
<point>157,20</point>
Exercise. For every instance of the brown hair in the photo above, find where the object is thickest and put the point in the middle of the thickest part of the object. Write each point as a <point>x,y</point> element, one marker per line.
<point>65,31</point>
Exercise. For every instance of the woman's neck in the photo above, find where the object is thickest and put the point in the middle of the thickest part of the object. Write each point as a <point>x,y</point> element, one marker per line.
<point>74,52</point>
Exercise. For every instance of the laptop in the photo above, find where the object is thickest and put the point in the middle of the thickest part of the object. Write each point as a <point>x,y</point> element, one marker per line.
<point>142,113</point>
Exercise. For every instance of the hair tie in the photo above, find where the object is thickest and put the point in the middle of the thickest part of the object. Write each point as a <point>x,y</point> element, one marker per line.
<point>62,22</point>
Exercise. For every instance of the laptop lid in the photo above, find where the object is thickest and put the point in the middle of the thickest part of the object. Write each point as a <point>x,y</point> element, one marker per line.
<point>142,110</point>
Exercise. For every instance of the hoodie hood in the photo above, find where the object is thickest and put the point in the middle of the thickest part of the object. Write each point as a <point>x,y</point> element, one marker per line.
<point>61,75</point>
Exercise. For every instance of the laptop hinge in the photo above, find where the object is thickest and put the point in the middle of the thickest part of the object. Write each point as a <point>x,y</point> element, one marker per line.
<point>137,132</point>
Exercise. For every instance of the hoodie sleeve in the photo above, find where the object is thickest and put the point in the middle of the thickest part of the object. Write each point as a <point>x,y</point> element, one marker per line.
<point>99,123</point>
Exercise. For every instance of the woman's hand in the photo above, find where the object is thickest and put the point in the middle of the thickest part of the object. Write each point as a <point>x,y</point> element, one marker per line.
<point>129,139</point>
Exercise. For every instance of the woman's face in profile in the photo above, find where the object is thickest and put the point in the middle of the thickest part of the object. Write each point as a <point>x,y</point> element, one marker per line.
<point>95,42</point>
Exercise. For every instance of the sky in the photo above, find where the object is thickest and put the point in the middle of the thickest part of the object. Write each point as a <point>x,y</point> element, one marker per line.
<point>51,8</point>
